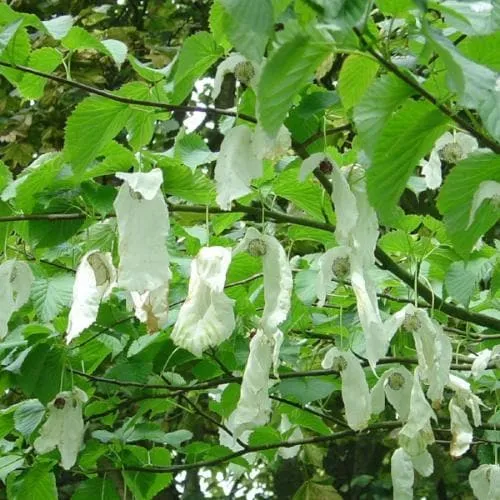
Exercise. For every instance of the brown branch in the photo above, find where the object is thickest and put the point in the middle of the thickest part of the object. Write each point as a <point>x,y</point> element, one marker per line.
<point>126,100</point>
<point>411,82</point>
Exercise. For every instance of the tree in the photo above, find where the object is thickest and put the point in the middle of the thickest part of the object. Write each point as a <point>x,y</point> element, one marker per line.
<point>250,249</point>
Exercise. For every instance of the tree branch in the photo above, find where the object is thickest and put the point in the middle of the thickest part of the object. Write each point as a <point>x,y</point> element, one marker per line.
<point>126,100</point>
<point>395,70</point>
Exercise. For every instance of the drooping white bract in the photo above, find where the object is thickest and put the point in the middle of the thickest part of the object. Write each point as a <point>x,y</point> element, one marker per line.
<point>16,279</point>
<point>95,277</point>
<point>206,318</point>
<point>278,282</point>
<point>395,385</point>
<point>64,427</point>
<point>334,264</point>
<point>487,190</point>
<point>485,482</point>
<point>236,166</point>
<point>254,406</point>
<point>271,148</point>
<point>143,227</point>
<point>355,391</point>
<point>461,430</point>
<point>417,433</point>
<point>285,426</point>
<point>402,475</point>
<point>451,148</point>
<point>434,350</point>
<point>245,71</point>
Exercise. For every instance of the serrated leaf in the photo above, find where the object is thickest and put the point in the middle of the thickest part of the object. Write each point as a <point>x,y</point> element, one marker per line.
<point>38,484</point>
<point>28,416</point>
<point>58,27</point>
<point>248,25</point>
<point>193,151</point>
<point>307,389</point>
<point>264,436</point>
<point>96,488</point>
<point>8,33</point>
<point>9,463</point>
<point>45,59</point>
<point>311,490</point>
<point>455,200</point>
<point>217,22</point>
<point>91,126</point>
<point>285,73</point>
<point>307,195</point>
<point>51,294</point>
<point>381,99</point>
<point>180,181</point>
<point>408,135</point>
<point>469,18</point>
<point>346,13</point>
<point>475,85</point>
<point>80,39</point>
<point>198,53</point>
<point>355,77</point>
<point>16,52</point>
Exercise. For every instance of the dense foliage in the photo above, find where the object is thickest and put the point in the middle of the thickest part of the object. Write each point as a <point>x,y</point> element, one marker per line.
<point>249,249</point>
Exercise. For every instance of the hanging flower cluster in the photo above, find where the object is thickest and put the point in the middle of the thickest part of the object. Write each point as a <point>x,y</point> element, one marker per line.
<point>356,233</point>
<point>142,216</point>
<point>206,318</point>
<point>254,405</point>
<point>64,427</point>
<point>16,279</point>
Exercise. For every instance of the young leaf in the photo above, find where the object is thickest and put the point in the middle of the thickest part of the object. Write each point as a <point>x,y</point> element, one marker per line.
<point>248,25</point>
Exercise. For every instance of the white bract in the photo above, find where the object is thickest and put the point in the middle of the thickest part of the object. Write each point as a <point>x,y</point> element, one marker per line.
<point>334,264</point>
<point>482,359</point>
<point>64,427</point>
<point>355,391</point>
<point>94,280</point>
<point>143,227</point>
<point>487,190</point>
<point>395,385</point>
<point>417,433</point>
<point>464,397</point>
<point>357,233</point>
<point>16,279</point>
<point>451,148</point>
<point>434,351</point>
<point>461,430</point>
<point>402,475</point>
<point>206,318</point>
<point>278,282</point>
<point>245,71</point>
<point>271,148</point>
<point>485,482</point>
<point>236,166</point>
<point>254,406</point>
<point>285,426</point>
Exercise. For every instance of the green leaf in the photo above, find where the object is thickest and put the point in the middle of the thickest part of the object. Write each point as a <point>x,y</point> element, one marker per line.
<point>80,39</point>
<point>45,59</point>
<point>28,416</point>
<point>145,485</point>
<point>38,484</point>
<point>96,488</point>
<point>285,73</point>
<point>49,233</point>
<point>462,279</point>
<point>218,20</point>
<point>311,490</point>
<point>474,84</point>
<point>307,195</point>
<point>192,150</point>
<point>41,372</point>
<point>51,294</point>
<point>483,50</point>
<point>382,98</point>
<point>180,181</point>
<point>147,72</point>
<point>58,27</point>
<point>248,26</point>
<point>408,135</point>
<point>16,52</point>
<point>396,8</point>
<point>9,463</point>
<point>310,421</point>
<point>455,200</point>
<point>307,389</point>
<point>198,53</point>
<point>466,17</point>
<point>8,34</point>
<point>346,13</point>
<point>355,77</point>
<point>263,436</point>
<point>91,126</point>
